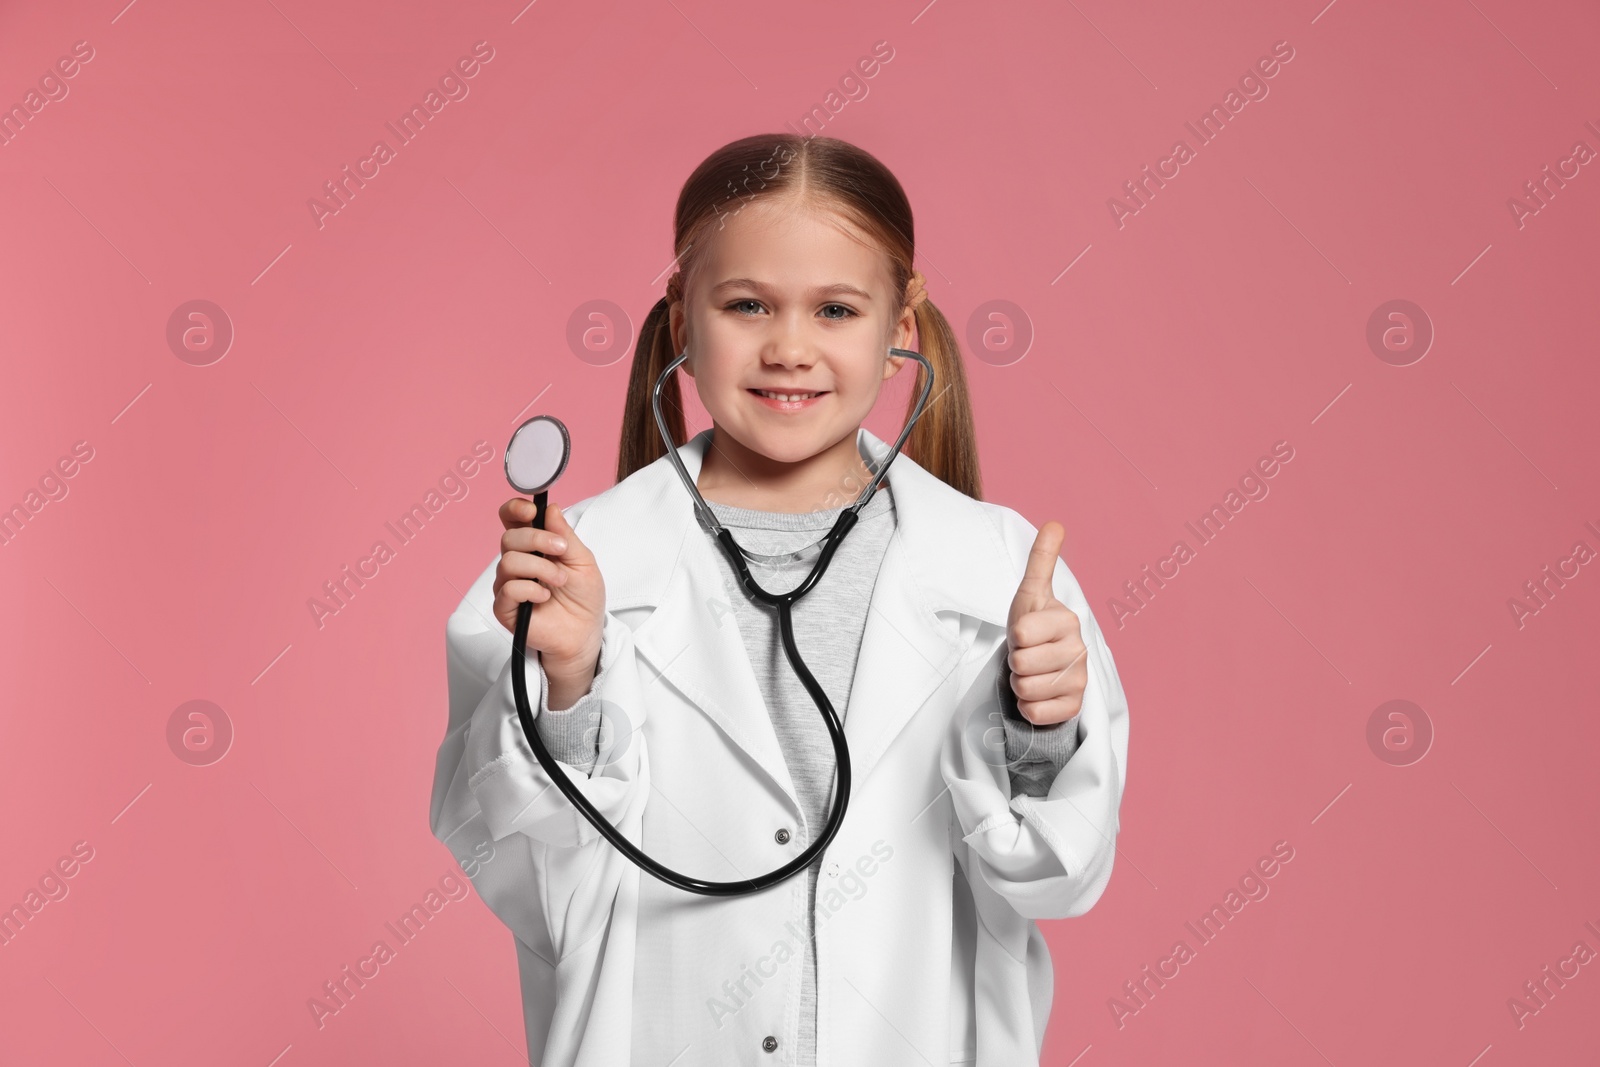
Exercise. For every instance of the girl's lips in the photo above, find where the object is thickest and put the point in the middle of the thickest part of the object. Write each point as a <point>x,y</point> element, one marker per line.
<point>780,405</point>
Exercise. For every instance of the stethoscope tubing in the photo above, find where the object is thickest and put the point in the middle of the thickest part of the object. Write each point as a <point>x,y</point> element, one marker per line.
<point>784,604</point>
<point>552,767</point>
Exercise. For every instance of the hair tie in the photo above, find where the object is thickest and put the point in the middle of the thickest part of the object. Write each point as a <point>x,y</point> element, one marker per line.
<point>675,287</point>
<point>916,290</point>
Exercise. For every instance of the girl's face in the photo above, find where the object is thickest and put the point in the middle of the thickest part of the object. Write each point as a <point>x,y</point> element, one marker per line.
<point>788,300</point>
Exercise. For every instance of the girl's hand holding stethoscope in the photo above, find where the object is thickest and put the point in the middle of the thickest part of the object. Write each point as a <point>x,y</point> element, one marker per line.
<point>563,580</point>
<point>1049,668</point>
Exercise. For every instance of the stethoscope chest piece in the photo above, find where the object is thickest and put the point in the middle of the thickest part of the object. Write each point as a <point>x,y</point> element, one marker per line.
<point>537,454</point>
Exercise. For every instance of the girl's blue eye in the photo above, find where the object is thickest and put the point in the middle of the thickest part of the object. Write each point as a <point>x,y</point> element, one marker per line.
<point>738,305</point>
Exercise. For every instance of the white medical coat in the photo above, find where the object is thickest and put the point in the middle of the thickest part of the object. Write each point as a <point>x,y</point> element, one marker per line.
<point>926,945</point>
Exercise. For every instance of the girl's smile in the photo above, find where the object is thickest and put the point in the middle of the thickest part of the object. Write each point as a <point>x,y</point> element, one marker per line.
<point>787,400</point>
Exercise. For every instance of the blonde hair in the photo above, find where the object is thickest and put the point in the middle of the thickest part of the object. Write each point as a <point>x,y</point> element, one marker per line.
<point>822,171</point>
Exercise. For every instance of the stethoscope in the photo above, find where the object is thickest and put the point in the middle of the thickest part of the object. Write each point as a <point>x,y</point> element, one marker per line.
<point>535,458</point>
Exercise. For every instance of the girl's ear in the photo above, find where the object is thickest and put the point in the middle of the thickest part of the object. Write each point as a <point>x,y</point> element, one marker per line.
<point>906,328</point>
<point>679,331</point>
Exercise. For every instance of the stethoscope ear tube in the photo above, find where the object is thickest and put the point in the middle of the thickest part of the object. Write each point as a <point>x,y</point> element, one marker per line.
<point>559,775</point>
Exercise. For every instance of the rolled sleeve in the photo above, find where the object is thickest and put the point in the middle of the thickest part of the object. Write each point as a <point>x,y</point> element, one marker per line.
<point>572,735</point>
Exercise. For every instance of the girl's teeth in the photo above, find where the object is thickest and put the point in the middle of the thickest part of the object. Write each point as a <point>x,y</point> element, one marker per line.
<point>786,397</point>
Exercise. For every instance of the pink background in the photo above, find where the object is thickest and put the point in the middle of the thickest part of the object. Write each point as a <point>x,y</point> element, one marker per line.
<point>1228,314</point>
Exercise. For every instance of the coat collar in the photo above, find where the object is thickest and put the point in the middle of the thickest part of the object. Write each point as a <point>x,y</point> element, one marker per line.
<point>948,554</point>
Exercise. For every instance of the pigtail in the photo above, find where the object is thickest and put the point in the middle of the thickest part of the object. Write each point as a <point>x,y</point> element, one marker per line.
<point>641,442</point>
<point>943,442</point>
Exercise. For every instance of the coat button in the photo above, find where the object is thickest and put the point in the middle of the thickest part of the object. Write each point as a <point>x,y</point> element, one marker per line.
<point>769,1044</point>
<point>782,836</point>
<point>832,869</point>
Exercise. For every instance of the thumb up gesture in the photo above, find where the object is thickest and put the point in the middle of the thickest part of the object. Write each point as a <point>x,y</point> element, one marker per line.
<point>1049,670</point>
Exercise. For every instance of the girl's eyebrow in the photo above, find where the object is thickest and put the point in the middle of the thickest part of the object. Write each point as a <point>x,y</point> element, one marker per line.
<point>836,289</point>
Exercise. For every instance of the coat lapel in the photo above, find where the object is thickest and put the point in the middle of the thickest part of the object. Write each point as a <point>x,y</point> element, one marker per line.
<point>947,554</point>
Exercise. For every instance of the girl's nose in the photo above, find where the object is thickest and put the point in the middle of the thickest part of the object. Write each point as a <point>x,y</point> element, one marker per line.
<point>788,347</point>
<point>791,357</point>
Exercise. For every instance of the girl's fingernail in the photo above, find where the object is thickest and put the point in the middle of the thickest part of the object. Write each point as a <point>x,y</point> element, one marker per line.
<point>559,544</point>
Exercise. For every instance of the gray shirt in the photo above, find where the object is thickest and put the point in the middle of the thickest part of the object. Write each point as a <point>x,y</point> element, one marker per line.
<point>828,624</point>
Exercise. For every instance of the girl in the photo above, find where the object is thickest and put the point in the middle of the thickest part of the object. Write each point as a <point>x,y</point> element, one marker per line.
<point>987,725</point>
